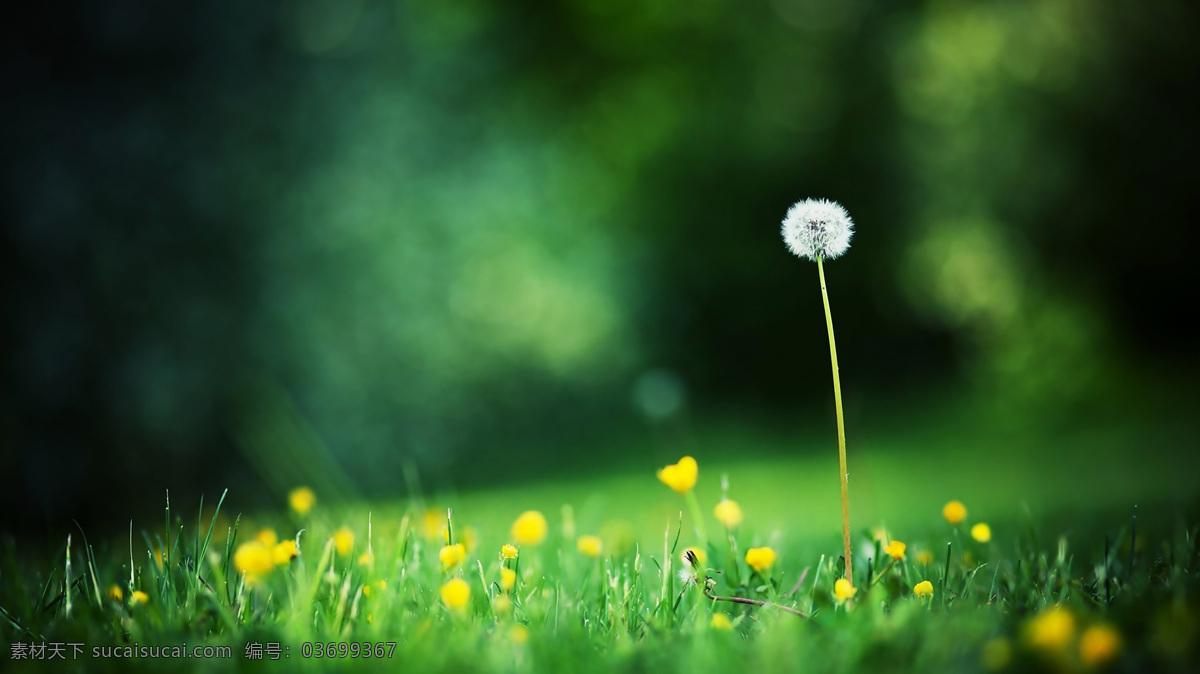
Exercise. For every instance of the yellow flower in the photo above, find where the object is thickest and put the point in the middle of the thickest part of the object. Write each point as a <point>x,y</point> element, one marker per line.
<point>452,555</point>
<point>760,559</point>
<point>284,551</point>
<point>590,545</point>
<point>721,621</point>
<point>501,603</point>
<point>843,590</point>
<point>456,594</point>
<point>996,654</point>
<point>1098,645</point>
<point>138,597</point>
<point>254,559</point>
<point>895,549</point>
<point>530,528</point>
<point>680,476</point>
<point>954,512</point>
<point>701,555</point>
<point>519,634</point>
<point>343,540</point>
<point>367,558</point>
<point>508,578</point>
<point>469,537</point>
<point>728,513</point>
<point>301,500</point>
<point>433,524</point>
<point>1051,629</point>
<point>924,557</point>
<point>114,593</point>
<point>508,551</point>
<point>267,537</point>
<point>923,589</point>
<point>381,585</point>
<point>981,532</point>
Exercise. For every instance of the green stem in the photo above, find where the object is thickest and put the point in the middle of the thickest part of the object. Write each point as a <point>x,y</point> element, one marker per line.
<point>837,400</point>
<point>698,517</point>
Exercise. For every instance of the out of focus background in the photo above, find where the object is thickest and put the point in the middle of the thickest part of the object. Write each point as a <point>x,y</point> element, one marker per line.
<point>387,246</point>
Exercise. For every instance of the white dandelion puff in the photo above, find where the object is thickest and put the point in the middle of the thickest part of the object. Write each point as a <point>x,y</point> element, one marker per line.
<point>817,228</point>
<point>688,576</point>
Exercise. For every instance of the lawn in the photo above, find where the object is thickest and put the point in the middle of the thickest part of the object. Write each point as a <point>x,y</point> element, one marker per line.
<point>377,581</point>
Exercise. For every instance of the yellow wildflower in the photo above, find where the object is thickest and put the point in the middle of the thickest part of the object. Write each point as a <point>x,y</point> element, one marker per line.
<point>721,621</point>
<point>923,589</point>
<point>895,550</point>
<point>284,551</point>
<point>954,512</point>
<point>843,590</point>
<point>924,557</point>
<point>253,558</point>
<point>701,555</point>
<point>367,558</point>
<point>996,654</point>
<point>981,532</point>
<point>452,555</point>
<point>760,559</point>
<point>302,500</point>
<point>1051,629</point>
<point>501,603</point>
<point>508,551</point>
<point>138,597</point>
<point>680,476</point>
<point>114,593</point>
<point>380,585</point>
<point>729,513</point>
<point>1098,645</point>
<point>469,537</point>
<point>267,537</point>
<point>433,524</point>
<point>343,540</point>
<point>519,634</point>
<point>456,594</point>
<point>508,578</point>
<point>529,528</point>
<point>590,545</point>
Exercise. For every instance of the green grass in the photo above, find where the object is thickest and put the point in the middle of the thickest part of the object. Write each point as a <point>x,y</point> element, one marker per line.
<point>1055,503</point>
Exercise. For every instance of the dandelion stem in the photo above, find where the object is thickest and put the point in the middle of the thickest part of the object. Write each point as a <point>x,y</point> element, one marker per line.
<point>837,401</point>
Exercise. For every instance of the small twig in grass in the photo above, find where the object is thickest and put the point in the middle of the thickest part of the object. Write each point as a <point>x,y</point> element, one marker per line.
<point>803,575</point>
<point>883,572</point>
<point>709,582</point>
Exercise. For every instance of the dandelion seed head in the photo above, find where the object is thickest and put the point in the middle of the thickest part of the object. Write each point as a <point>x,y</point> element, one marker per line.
<point>688,575</point>
<point>817,228</point>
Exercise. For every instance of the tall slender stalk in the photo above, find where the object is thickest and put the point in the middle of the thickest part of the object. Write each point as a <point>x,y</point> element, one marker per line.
<point>841,425</point>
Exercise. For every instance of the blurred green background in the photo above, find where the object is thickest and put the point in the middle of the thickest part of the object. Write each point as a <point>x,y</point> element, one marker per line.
<point>368,245</point>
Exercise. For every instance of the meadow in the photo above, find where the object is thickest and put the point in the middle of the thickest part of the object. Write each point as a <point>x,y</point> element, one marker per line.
<point>1065,553</point>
